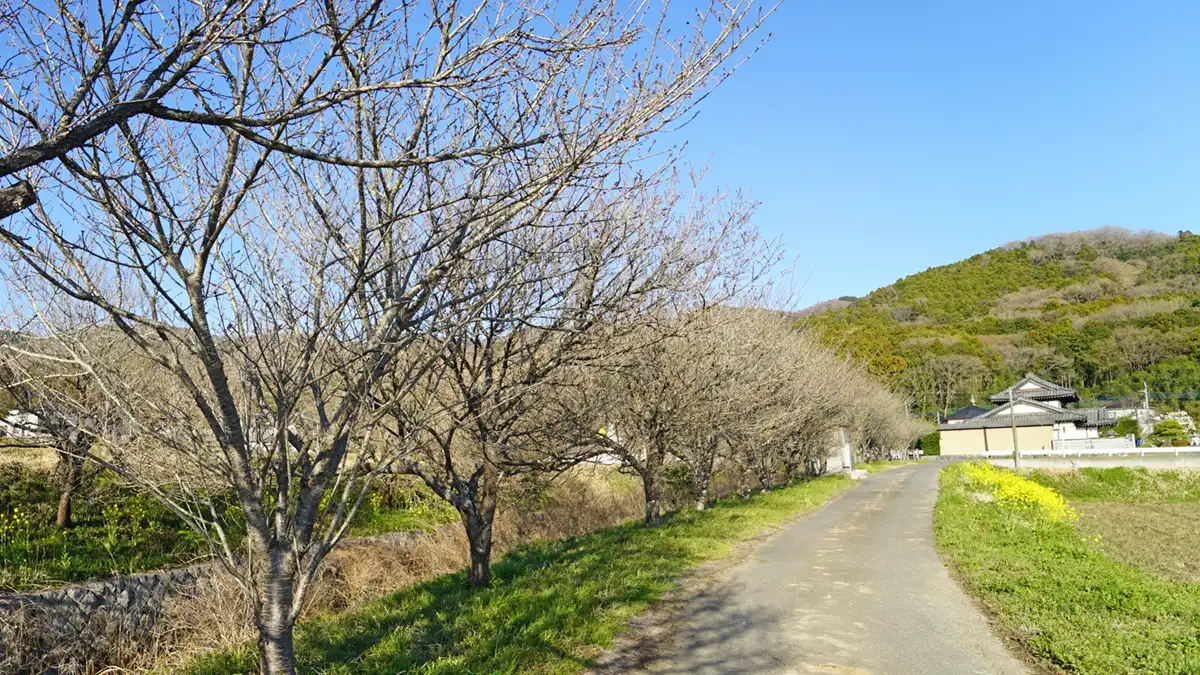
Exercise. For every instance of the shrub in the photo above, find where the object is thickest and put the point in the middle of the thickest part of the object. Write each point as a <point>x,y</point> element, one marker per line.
<point>1170,433</point>
<point>1126,426</point>
<point>931,443</point>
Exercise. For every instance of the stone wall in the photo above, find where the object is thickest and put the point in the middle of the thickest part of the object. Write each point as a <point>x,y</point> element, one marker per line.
<point>79,629</point>
<point>83,628</point>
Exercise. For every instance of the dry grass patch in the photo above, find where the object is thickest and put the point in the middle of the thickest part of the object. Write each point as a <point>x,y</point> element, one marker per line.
<point>1162,539</point>
<point>217,615</point>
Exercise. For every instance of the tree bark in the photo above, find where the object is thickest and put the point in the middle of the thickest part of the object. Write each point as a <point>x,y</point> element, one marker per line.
<point>651,474</point>
<point>16,198</point>
<point>276,652</point>
<point>479,539</point>
<point>702,474</point>
<point>478,516</point>
<point>73,469</point>
<point>702,494</point>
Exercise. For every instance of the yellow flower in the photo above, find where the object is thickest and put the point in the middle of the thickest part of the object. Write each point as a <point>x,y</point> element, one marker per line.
<point>1010,489</point>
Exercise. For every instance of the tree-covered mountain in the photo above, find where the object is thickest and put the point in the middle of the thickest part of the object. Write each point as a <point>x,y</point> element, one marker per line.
<point>1102,311</point>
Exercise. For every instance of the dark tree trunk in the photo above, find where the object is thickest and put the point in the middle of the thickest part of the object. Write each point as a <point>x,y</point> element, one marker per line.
<point>16,198</point>
<point>702,492</point>
<point>765,477</point>
<point>478,515</point>
<point>70,458</point>
<point>72,472</point>
<point>653,502</point>
<point>276,652</point>
<point>652,486</point>
<point>479,539</point>
<point>791,469</point>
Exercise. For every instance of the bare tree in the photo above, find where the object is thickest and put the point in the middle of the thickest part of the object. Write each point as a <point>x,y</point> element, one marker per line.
<point>305,232</point>
<point>582,288</point>
<point>953,375</point>
<point>80,75</point>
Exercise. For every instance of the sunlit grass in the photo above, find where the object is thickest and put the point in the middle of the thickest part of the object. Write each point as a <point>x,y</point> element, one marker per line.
<point>552,606</point>
<point>1055,590</point>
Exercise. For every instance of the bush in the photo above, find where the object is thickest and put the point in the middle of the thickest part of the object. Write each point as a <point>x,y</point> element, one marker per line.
<point>1170,433</point>
<point>931,443</point>
<point>1126,426</point>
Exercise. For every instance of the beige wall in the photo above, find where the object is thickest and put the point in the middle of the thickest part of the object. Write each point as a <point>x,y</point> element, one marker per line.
<point>971,441</point>
<point>962,442</point>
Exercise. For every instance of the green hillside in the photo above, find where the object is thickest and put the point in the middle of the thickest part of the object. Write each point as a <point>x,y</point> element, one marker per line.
<point>1102,311</point>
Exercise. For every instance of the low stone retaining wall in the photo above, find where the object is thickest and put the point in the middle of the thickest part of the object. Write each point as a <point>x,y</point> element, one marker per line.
<point>77,629</point>
<point>83,628</point>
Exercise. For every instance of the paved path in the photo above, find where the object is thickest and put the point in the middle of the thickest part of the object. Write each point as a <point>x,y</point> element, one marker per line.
<point>855,588</point>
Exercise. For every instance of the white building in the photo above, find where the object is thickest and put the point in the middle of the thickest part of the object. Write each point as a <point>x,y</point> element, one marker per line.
<point>1033,411</point>
<point>18,424</point>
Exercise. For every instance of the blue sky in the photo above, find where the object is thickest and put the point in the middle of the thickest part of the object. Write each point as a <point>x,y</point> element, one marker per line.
<point>883,137</point>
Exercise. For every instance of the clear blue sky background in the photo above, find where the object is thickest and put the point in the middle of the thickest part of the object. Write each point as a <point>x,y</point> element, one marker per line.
<point>884,137</point>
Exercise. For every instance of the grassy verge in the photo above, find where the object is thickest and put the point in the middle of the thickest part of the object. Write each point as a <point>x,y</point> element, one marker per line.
<point>1056,592</point>
<point>1121,484</point>
<point>552,607</point>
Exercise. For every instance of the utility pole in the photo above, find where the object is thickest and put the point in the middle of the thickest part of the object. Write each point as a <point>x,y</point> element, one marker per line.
<point>1012,416</point>
<point>1145,396</point>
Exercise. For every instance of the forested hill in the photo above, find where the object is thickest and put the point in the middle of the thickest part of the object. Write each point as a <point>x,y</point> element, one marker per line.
<point>1100,310</point>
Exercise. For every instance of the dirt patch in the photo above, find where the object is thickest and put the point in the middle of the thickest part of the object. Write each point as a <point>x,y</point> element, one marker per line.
<point>1161,539</point>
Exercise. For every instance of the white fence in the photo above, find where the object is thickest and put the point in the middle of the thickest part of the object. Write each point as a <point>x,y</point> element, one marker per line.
<point>1097,452</point>
<point>1123,443</point>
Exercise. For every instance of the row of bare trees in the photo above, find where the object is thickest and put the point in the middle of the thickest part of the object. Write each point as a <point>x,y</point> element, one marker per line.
<point>275,251</point>
<point>738,392</point>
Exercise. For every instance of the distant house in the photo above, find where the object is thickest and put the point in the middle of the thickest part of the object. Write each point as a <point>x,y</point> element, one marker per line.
<point>20,424</point>
<point>1036,407</point>
<point>963,414</point>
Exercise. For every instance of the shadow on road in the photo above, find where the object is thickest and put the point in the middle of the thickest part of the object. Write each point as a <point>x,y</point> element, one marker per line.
<point>711,628</point>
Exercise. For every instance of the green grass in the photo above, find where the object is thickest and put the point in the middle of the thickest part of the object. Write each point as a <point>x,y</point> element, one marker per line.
<point>552,606</point>
<point>116,530</point>
<point>1059,595</point>
<point>1120,484</point>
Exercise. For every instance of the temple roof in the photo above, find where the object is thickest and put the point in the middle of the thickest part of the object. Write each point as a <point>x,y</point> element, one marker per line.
<point>1032,387</point>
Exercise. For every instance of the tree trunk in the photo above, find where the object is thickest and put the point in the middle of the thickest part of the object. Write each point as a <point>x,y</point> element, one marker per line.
<point>478,517</point>
<point>653,502</point>
<point>275,625</point>
<point>652,486</point>
<point>70,457</point>
<point>479,539</point>
<point>72,470</point>
<point>791,470</point>
<point>702,473</point>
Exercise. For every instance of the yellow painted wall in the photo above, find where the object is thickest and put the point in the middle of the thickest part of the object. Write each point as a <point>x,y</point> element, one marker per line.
<point>971,441</point>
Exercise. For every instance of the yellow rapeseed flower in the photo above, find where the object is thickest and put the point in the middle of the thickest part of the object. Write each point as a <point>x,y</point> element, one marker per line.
<point>1010,489</point>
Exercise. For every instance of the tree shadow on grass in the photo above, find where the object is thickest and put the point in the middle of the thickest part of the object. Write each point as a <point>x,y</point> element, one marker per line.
<point>550,606</point>
<point>546,599</point>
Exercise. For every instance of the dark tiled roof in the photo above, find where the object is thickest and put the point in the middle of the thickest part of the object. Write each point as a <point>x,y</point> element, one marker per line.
<point>1045,390</point>
<point>1063,414</point>
<point>1088,417</point>
<point>966,413</point>
<point>1003,422</point>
